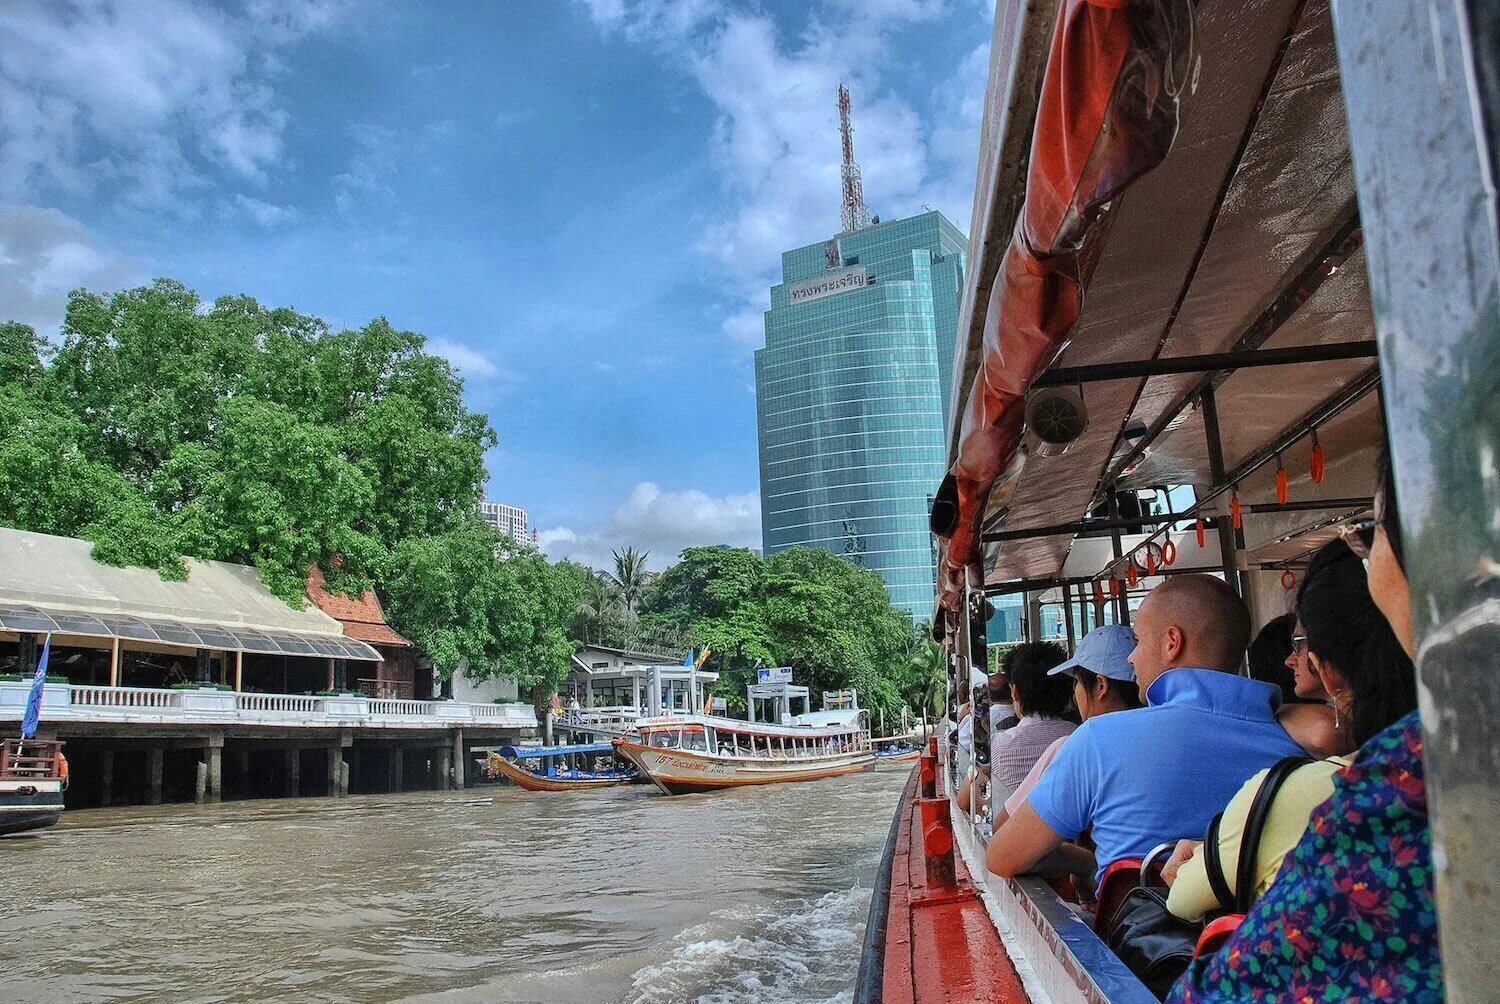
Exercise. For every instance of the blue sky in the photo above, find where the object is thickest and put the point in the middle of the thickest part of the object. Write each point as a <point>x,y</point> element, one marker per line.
<point>579,203</point>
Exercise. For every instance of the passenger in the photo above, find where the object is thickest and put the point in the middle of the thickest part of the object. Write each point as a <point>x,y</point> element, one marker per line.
<point>1361,663</point>
<point>1278,655</point>
<point>1351,914</point>
<point>1270,657</point>
<point>1002,717</point>
<point>1139,778</point>
<point>1041,700</point>
<point>1103,681</point>
<point>1305,683</point>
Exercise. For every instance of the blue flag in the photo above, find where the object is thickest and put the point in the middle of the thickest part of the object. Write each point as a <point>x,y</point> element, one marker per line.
<point>34,699</point>
<point>687,660</point>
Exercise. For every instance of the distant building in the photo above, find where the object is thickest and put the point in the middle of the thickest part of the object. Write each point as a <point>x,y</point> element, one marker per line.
<point>508,519</point>
<point>851,394</point>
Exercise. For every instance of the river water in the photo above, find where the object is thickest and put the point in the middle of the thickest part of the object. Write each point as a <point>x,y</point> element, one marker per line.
<point>489,894</point>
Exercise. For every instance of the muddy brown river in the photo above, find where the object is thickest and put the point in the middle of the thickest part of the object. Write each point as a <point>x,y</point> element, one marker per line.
<point>490,894</point>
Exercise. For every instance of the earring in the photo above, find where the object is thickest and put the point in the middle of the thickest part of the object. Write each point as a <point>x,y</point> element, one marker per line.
<point>1335,706</point>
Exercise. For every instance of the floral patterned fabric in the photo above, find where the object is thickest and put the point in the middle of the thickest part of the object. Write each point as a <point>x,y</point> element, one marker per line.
<point>1351,915</point>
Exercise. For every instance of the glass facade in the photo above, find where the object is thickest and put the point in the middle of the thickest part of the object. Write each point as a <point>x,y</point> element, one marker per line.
<point>851,394</point>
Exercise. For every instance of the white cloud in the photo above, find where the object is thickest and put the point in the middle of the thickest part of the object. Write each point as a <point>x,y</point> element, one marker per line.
<point>471,362</point>
<point>45,254</point>
<point>265,214</point>
<point>148,100</point>
<point>775,140</point>
<point>662,522</point>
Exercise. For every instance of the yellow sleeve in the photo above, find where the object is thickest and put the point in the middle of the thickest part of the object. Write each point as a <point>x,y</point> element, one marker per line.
<point>1191,895</point>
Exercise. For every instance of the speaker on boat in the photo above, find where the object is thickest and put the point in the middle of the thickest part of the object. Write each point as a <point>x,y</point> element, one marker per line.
<point>1055,418</point>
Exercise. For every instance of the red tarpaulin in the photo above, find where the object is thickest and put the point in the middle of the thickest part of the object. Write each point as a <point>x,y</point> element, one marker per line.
<point>1106,114</point>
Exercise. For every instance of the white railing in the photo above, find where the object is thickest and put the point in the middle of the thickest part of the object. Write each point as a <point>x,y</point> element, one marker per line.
<point>498,710</point>
<point>224,707</point>
<point>384,707</point>
<point>277,702</point>
<point>124,697</point>
<point>622,714</point>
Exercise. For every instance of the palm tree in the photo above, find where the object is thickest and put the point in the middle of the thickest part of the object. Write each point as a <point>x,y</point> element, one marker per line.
<point>630,576</point>
<point>598,607</point>
<point>928,682</point>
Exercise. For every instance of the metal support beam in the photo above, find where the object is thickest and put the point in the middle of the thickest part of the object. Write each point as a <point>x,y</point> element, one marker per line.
<point>1068,617</point>
<point>1228,538</point>
<point>1122,604</point>
<point>1211,363</point>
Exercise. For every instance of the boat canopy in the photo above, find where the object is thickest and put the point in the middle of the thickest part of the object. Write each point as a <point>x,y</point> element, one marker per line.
<point>1158,270</point>
<point>544,752</point>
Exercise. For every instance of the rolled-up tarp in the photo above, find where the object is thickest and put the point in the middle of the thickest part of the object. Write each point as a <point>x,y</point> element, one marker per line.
<point>1106,114</point>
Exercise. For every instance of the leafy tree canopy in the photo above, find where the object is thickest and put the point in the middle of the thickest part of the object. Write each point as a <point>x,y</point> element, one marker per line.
<point>163,426</point>
<point>805,608</point>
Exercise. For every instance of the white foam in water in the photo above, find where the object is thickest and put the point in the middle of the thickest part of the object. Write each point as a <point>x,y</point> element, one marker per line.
<point>804,951</point>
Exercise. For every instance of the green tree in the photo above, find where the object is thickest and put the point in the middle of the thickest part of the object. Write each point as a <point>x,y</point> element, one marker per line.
<point>599,608</point>
<point>630,577</point>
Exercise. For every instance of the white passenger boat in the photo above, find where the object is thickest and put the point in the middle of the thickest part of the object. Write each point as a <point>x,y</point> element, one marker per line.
<point>687,753</point>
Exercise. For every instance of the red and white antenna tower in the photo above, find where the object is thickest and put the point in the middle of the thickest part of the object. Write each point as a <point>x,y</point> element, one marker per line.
<point>856,215</point>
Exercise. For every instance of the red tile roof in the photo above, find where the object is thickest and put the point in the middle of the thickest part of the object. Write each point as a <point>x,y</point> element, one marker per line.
<point>361,617</point>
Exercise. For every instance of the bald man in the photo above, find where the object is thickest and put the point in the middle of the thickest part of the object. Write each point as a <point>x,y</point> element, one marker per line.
<point>1154,775</point>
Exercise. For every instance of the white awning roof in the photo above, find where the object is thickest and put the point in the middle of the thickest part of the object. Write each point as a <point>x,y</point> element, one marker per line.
<point>53,584</point>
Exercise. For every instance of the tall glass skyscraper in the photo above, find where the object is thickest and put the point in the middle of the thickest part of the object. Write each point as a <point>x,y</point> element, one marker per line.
<point>852,393</point>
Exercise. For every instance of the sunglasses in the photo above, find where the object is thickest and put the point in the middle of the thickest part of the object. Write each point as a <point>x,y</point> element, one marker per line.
<point>1360,536</point>
<point>1299,643</point>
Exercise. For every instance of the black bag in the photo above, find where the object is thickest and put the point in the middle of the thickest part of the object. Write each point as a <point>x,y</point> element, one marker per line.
<point>1155,943</point>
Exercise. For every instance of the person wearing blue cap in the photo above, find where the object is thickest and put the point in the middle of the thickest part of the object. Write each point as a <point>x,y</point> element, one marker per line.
<point>1103,681</point>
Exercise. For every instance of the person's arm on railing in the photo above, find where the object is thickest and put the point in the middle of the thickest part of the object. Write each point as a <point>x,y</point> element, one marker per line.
<point>1021,843</point>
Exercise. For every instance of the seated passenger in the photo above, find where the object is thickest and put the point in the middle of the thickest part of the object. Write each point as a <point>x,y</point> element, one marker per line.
<point>1041,700</point>
<point>1139,778</point>
<point>1103,681</point>
<point>1361,663</point>
<point>1002,717</point>
<point>1270,657</point>
<point>1305,712</point>
<point>1351,914</point>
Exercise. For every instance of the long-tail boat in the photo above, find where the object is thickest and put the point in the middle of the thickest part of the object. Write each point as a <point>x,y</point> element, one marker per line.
<point>559,768</point>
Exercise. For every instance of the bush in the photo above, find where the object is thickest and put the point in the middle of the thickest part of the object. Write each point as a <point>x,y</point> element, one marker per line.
<point>201,686</point>
<point>19,678</point>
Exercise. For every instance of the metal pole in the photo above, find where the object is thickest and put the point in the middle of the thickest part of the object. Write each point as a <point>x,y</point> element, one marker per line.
<point>1068,617</point>
<point>1122,604</point>
<point>1228,552</point>
<point>1422,89</point>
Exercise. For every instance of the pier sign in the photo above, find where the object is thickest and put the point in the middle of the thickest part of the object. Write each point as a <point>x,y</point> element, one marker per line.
<point>841,281</point>
<point>774,674</point>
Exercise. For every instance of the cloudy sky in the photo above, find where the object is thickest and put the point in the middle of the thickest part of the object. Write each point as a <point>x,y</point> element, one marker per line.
<point>579,203</point>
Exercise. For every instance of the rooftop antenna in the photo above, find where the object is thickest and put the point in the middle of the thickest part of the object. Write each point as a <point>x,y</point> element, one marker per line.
<point>856,215</point>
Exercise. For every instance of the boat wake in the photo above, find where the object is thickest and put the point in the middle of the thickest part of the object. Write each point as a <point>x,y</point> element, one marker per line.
<point>804,950</point>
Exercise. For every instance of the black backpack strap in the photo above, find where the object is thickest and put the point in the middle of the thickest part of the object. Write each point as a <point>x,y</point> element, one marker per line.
<point>1214,867</point>
<point>1255,824</point>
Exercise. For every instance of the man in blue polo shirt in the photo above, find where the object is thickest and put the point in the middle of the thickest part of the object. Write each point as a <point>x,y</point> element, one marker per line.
<point>1160,773</point>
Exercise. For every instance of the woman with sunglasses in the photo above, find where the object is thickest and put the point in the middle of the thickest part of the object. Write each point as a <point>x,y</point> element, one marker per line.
<point>1359,662</point>
<point>1350,915</point>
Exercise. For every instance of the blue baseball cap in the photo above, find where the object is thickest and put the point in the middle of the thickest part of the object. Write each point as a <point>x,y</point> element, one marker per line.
<point>1104,651</point>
